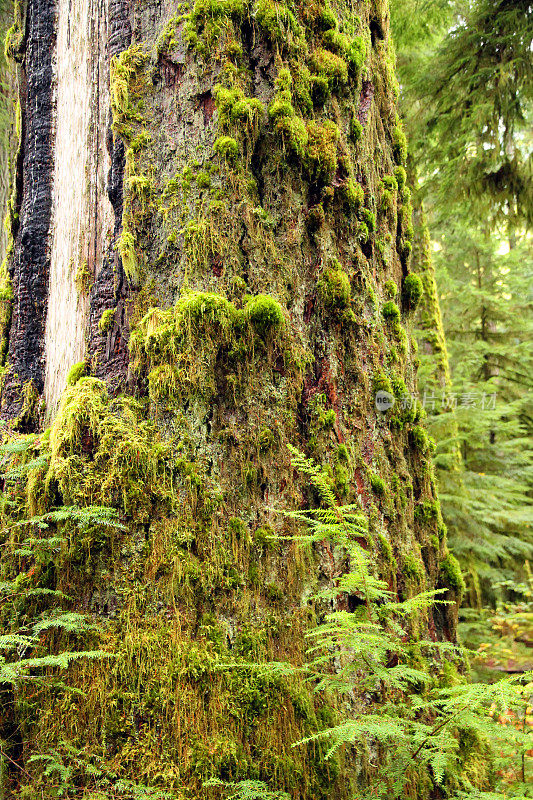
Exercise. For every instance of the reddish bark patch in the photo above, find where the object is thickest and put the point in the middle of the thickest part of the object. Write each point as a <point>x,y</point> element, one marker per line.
<point>170,71</point>
<point>365,101</point>
<point>217,266</point>
<point>207,104</point>
<point>309,307</point>
<point>361,488</point>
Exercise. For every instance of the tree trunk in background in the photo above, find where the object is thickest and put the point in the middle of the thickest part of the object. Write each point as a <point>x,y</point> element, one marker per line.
<point>212,216</point>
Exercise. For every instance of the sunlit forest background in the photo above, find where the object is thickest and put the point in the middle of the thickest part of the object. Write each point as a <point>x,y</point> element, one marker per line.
<point>465,73</point>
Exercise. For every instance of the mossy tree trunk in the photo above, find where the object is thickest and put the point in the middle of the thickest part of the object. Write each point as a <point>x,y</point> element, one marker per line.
<point>242,283</point>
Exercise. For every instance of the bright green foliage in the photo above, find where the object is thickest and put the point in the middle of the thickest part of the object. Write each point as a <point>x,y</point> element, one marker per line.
<point>476,108</point>
<point>466,73</point>
<point>38,618</point>
<point>487,316</point>
<point>246,790</point>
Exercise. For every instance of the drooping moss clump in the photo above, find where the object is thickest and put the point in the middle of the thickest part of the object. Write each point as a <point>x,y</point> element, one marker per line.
<point>279,23</point>
<point>287,123</point>
<point>412,290</point>
<point>451,575</point>
<point>399,140</point>
<point>390,311</point>
<point>378,484</point>
<point>321,153</point>
<point>180,345</point>
<point>391,290</point>
<point>353,194</point>
<point>76,372</point>
<point>329,66</point>
<point>334,287</point>
<point>106,320</point>
<point>356,129</point>
<point>264,313</point>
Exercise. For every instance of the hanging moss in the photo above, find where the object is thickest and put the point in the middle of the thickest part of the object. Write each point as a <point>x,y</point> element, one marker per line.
<point>106,320</point>
<point>321,153</point>
<point>334,287</point>
<point>353,195</point>
<point>411,567</point>
<point>412,290</point>
<point>421,440</point>
<point>206,20</point>
<point>426,511</point>
<point>286,123</point>
<point>399,141</point>
<point>126,248</point>
<point>356,53</point>
<point>390,311</point>
<point>265,313</point>
<point>76,372</point>
<point>450,575</point>
<point>330,66</point>
<point>390,288</point>
<point>381,382</point>
<point>279,23</point>
<point>369,219</point>
<point>378,485</point>
<point>356,129</point>
<point>401,176</point>
<point>103,453</point>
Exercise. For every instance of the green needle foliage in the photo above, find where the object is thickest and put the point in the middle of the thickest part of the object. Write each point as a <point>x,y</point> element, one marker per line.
<point>465,72</point>
<point>486,303</point>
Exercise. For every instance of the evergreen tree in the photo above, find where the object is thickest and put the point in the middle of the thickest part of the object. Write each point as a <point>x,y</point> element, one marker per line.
<point>465,72</point>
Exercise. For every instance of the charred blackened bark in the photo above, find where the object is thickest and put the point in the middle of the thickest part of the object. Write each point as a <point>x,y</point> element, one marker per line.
<point>108,350</point>
<point>31,265</point>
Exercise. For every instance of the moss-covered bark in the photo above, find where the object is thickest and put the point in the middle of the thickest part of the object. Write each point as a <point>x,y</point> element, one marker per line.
<point>257,293</point>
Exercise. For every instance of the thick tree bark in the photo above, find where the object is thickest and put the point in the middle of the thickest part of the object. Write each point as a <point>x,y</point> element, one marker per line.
<point>213,216</point>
